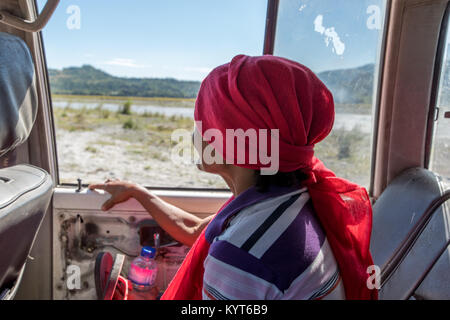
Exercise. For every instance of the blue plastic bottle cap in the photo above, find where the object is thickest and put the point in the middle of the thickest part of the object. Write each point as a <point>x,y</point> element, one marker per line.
<point>148,252</point>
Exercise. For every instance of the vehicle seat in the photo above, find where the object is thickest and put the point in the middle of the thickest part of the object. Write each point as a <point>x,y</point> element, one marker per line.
<point>411,237</point>
<point>25,190</point>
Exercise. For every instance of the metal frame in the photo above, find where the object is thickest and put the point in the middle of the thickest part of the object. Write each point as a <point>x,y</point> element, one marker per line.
<point>271,26</point>
<point>434,108</point>
<point>30,26</point>
<point>377,96</point>
<point>406,87</point>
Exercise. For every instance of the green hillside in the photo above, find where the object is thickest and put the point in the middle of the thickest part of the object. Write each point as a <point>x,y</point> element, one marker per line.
<point>353,86</point>
<point>349,86</point>
<point>87,80</point>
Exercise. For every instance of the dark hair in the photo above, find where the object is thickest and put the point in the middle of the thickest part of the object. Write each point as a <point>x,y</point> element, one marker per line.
<point>282,179</point>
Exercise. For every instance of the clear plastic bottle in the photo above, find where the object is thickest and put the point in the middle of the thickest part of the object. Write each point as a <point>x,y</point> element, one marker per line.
<point>143,270</point>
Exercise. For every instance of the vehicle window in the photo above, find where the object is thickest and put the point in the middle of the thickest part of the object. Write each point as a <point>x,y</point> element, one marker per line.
<point>440,150</point>
<point>340,41</point>
<point>124,75</point>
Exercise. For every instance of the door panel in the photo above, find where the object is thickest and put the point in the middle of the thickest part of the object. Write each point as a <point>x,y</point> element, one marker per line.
<point>81,230</point>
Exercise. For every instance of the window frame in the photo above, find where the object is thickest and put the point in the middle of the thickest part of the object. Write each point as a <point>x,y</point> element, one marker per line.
<point>378,86</point>
<point>271,26</point>
<point>269,46</point>
<point>270,12</point>
<point>433,113</point>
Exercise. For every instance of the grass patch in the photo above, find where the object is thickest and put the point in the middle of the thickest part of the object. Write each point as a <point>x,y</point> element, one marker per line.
<point>160,101</point>
<point>126,108</point>
<point>347,153</point>
<point>130,124</point>
<point>91,149</point>
<point>104,143</point>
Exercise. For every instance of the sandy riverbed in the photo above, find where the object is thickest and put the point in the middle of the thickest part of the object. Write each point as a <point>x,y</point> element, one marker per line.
<point>95,156</point>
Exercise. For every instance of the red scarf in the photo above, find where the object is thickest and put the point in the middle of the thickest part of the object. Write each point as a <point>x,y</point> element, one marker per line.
<point>275,93</point>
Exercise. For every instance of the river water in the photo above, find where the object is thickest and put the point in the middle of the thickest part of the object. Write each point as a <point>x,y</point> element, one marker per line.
<point>347,121</point>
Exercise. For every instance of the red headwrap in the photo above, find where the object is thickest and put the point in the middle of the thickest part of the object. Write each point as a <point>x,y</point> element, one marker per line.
<point>275,93</point>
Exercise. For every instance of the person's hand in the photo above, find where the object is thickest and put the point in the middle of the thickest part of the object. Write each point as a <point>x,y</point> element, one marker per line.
<point>120,191</point>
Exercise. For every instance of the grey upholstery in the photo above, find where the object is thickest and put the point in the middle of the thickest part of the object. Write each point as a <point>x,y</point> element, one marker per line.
<point>25,191</point>
<point>18,100</point>
<point>408,238</point>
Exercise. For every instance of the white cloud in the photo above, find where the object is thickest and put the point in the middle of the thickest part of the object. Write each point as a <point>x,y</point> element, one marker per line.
<point>130,63</point>
<point>318,24</point>
<point>331,36</point>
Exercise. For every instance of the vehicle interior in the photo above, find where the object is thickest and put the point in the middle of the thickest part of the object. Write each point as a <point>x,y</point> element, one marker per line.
<point>50,221</point>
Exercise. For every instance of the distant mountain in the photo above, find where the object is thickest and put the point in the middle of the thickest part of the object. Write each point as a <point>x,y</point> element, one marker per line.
<point>356,85</point>
<point>349,86</point>
<point>87,80</point>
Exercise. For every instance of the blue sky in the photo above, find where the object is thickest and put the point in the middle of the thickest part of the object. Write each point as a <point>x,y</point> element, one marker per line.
<point>185,39</point>
<point>359,32</point>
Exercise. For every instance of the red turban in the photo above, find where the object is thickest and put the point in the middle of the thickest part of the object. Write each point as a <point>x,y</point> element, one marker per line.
<point>270,92</point>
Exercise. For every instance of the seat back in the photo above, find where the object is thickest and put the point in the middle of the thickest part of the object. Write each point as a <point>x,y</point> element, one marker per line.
<point>411,233</point>
<point>18,97</point>
<point>25,191</point>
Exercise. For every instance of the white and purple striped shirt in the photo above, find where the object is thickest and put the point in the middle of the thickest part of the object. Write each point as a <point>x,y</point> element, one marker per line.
<point>270,246</point>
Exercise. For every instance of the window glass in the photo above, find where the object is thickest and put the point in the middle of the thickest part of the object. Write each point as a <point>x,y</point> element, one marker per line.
<point>440,151</point>
<point>340,41</point>
<point>124,75</point>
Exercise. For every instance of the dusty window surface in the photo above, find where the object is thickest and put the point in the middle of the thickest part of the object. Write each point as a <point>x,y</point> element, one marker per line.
<point>440,153</point>
<point>125,74</point>
<point>340,41</point>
